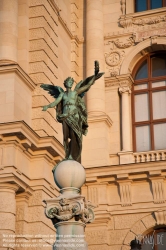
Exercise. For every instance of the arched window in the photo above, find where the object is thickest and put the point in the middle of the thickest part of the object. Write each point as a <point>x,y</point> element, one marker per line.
<point>141,5</point>
<point>149,103</point>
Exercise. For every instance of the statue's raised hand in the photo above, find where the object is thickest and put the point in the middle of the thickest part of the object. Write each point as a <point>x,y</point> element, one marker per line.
<point>45,108</point>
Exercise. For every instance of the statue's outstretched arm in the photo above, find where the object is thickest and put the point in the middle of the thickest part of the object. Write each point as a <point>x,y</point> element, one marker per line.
<point>53,104</point>
<point>87,86</point>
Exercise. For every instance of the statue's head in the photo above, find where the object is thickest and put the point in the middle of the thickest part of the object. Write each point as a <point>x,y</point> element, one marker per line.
<point>68,82</point>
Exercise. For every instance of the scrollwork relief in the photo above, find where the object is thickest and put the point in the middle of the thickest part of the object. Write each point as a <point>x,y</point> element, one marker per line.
<point>123,45</point>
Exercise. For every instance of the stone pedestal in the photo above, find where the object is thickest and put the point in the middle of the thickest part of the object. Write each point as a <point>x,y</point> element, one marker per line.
<point>70,211</point>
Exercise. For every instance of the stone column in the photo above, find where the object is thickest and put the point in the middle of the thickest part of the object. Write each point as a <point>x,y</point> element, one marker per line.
<point>8,29</point>
<point>7,213</point>
<point>126,120</point>
<point>69,211</point>
<point>95,51</point>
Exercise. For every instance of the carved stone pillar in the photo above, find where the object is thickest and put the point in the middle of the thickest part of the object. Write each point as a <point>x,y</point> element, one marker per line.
<point>126,118</point>
<point>95,51</point>
<point>8,29</point>
<point>7,213</point>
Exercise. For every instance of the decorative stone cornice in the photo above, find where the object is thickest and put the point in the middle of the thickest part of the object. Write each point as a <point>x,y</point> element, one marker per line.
<point>32,144</point>
<point>7,66</point>
<point>119,81</point>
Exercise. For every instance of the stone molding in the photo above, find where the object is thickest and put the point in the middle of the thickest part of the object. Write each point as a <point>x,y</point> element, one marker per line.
<point>95,117</point>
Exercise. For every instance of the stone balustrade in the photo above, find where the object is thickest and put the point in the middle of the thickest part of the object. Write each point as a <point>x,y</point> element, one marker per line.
<point>158,155</point>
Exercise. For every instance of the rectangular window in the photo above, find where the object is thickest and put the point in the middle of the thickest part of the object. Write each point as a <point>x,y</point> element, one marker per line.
<point>143,138</point>
<point>159,104</point>
<point>142,5</point>
<point>141,107</point>
<point>160,136</point>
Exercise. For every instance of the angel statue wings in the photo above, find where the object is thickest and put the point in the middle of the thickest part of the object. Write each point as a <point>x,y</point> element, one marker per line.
<point>71,111</point>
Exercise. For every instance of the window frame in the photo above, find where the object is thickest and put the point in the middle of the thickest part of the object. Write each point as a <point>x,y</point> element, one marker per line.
<point>148,5</point>
<point>151,122</point>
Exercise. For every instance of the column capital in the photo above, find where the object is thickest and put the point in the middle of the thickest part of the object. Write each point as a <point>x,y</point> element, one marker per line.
<point>125,89</point>
<point>8,187</point>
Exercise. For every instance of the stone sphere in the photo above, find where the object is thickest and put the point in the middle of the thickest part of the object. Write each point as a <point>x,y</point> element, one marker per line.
<point>69,173</point>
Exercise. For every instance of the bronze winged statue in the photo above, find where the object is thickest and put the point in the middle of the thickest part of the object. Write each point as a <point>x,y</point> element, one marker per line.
<point>71,111</point>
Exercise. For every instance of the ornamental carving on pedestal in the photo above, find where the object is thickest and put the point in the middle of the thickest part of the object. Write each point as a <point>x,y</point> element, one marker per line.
<point>76,208</point>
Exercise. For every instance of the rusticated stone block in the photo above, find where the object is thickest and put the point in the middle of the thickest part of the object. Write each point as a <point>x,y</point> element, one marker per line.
<point>97,237</point>
<point>117,236</point>
<point>127,221</point>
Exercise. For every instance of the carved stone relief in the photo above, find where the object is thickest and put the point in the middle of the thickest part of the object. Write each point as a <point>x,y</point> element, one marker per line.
<point>158,190</point>
<point>113,60</point>
<point>123,6</point>
<point>125,193</point>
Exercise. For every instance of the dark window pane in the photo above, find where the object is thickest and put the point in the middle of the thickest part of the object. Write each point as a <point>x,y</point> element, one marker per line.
<point>140,5</point>
<point>142,72</point>
<point>156,4</point>
<point>158,66</point>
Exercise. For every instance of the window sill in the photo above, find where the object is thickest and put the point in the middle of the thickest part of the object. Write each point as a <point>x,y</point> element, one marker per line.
<point>143,18</point>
